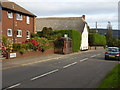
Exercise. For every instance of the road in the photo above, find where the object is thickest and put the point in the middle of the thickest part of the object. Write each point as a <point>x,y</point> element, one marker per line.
<point>83,70</point>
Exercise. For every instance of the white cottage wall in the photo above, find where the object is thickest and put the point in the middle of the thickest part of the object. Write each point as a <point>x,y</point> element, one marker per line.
<point>84,39</point>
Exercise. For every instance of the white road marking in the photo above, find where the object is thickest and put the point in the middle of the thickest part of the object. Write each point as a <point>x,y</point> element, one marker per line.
<point>13,86</point>
<point>70,65</point>
<point>93,56</point>
<point>45,74</point>
<point>83,60</point>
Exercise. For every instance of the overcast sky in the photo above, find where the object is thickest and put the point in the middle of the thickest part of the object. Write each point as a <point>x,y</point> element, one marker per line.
<point>101,11</point>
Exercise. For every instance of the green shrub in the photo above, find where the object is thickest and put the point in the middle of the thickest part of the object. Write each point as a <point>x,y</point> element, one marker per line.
<point>34,35</point>
<point>22,51</point>
<point>17,46</point>
<point>74,35</point>
<point>4,40</point>
<point>44,43</point>
<point>113,42</point>
<point>30,46</point>
<point>49,34</point>
<point>97,39</point>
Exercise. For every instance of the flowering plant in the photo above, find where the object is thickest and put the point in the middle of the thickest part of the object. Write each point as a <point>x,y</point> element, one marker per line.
<point>43,43</point>
<point>32,44</point>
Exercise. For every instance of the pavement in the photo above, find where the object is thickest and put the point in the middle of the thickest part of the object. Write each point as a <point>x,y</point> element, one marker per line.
<point>19,62</point>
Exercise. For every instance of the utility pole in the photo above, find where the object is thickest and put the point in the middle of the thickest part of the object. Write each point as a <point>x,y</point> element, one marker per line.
<point>96,27</point>
<point>109,27</point>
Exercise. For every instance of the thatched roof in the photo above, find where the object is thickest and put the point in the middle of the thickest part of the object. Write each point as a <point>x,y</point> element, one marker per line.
<point>57,23</point>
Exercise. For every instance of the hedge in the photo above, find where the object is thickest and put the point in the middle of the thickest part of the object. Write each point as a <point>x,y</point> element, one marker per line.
<point>97,39</point>
<point>74,35</point>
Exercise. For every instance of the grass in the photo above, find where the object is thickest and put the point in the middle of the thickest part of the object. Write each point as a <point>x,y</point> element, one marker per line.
<point>112,80</point>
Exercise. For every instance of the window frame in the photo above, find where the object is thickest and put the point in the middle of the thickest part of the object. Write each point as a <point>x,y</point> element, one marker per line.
<point>10,14</point>
<point>19,33</point>
<point>28,36</point>
<point>19,16</point>
<point>27,19</point>
<point>8,34</point>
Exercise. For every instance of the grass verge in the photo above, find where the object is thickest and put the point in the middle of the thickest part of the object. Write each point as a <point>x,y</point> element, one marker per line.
<point>112,80</point>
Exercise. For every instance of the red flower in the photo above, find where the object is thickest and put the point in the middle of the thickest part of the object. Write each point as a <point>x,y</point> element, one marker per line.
<point>34,42</point>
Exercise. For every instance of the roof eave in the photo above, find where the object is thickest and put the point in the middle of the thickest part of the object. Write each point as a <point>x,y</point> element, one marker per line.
<point>4,8</point>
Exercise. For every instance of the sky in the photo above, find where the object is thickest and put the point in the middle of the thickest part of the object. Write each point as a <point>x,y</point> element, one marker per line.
<point>100,11</point>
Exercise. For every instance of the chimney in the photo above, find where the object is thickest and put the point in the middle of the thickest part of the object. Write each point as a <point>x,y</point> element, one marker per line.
<point>83,17</point>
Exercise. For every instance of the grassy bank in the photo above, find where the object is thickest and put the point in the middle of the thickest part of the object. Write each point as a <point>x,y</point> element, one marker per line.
<point>112,80</point>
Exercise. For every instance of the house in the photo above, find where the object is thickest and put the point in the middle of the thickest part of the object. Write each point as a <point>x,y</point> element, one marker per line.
<point>102,31</point>
<point>17,22</point>
<point>57,23</point>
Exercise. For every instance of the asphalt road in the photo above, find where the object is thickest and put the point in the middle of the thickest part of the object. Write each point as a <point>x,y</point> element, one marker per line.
<point>84,70</point>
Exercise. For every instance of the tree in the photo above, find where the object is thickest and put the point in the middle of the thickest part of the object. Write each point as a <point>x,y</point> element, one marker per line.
<point>109,37</point>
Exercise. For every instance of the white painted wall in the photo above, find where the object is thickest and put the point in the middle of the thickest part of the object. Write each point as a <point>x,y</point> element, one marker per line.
<point>84,39</point>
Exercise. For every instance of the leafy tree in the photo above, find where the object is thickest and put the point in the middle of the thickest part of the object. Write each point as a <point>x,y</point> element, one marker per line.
<point>109,37</point>
<point>49,34</point>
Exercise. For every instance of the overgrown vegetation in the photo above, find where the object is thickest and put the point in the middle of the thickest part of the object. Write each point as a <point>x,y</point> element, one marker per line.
<point>49,34</point>
<point>97,40</point>
<point>112,80</point>
<point>74,35</point>
<point>34,44</point>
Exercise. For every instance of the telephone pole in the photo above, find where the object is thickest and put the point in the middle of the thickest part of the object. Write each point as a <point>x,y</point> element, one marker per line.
<point>96,27</point>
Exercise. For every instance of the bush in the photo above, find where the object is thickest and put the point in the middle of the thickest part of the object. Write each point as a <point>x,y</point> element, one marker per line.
<point>17,46</point>
<point>32,44</point>
<point>22,51</point>
<point>97,39</point>
<point>4,40</point>
<point>7,43</point>
<point>74,35</point>
<point>113,42</point>
<point>43,43</point>
<point>34,35</point>
<point>49,34</point>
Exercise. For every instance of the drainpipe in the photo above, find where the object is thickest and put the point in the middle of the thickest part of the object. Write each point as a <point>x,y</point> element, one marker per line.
<point>0,25</point>
<point>13,28</point>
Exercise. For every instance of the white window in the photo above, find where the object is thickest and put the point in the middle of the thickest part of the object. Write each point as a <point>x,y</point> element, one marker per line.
<point>28,34</point>
<point>10,15</point>
<point>18,16</point>
<point>9,32</point>
<point>19,33</point>
<point>28,20</point>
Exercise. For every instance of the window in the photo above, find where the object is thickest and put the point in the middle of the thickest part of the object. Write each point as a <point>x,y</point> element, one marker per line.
<point>19,33</point>
<point>9,32</point>
<point>18,16</point>
<point>28,20</point>
<point>10,15</point>
<point>28,34</point>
